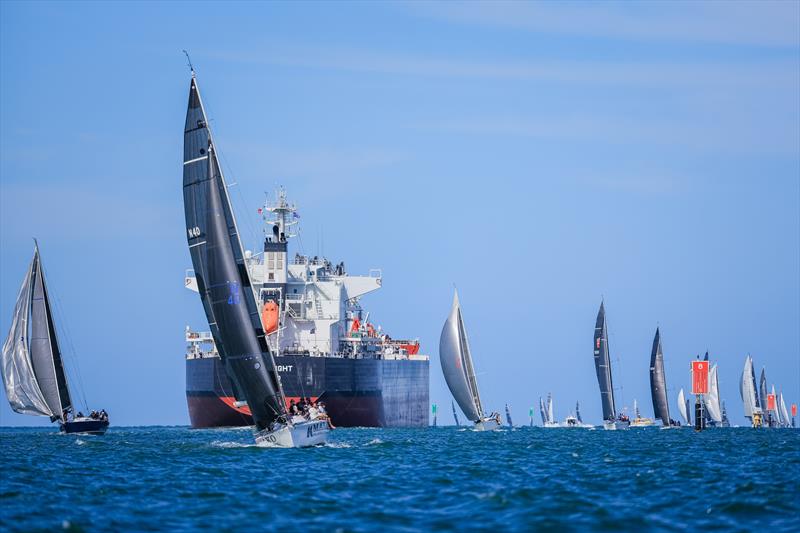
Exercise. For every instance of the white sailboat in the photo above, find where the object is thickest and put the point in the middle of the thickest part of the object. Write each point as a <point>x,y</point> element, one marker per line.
<point>459,373</point>
<point>711,400</point>
<point>747,389</point>
<point>787,421</point>
<point>683,408</point>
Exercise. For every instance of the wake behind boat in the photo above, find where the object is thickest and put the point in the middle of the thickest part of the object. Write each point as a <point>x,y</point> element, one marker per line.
<point>226,291</point>
<point>33,368</point>
<point>456,360</point>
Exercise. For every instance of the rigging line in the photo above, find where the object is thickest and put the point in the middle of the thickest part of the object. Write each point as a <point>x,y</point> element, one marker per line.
<point>73,357</point>
<point>253,234</point>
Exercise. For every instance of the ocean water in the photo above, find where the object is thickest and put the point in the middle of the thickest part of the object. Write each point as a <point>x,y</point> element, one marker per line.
<point>177,479</point>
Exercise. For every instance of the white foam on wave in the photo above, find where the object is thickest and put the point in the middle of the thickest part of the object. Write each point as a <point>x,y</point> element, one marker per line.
<point>337,445</point>
<point>374,442</point>
<point>230,444</point>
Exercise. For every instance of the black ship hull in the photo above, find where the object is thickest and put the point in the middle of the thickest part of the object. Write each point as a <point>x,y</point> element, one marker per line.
<point>85,427</point>
<point>356,392</point>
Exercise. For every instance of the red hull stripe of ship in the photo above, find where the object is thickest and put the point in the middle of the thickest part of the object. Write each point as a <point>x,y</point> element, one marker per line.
<point>230,401</point>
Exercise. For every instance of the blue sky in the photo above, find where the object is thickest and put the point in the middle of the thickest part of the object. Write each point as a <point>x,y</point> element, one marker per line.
<point>539,156</point>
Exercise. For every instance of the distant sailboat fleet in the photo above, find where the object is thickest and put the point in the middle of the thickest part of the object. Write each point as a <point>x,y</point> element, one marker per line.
<point>459,375</point>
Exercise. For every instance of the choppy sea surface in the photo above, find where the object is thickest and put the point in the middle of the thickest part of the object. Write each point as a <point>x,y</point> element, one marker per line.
<point>521,479</point>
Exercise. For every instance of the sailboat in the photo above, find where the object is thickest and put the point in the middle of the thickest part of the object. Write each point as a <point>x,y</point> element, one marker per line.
<point>546,408</point>
<point>777,421</point>
<point>602,363</point>
<point>455,416</point>
<point>784,412</point>
<point>711,400</point>
<point>725,422</point>
<point>459,373</point>
<point>749,393</point>
<point>658,382</point>
<point>683,408</point>
<point>508,417</point>
<point>638,420</point>
<point>33,369</point>
<point>227,294</point>
<point>769,417</point>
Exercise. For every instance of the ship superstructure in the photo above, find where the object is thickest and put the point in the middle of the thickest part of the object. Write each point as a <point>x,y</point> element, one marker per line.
<point>325,345</point>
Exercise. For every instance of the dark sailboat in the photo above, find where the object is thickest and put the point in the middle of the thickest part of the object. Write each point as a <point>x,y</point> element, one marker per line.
<point>658,382</point>
<point>33,368</point>
<point>508,416</point>
<point>226,291</point>
<point>455,416</point>
<point>602,363</point>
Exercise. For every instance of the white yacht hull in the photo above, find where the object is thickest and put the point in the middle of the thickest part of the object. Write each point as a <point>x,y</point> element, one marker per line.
<point>613,425</point>
<point>297,435</point>
<point>552,425</point>
<point>486,424</point>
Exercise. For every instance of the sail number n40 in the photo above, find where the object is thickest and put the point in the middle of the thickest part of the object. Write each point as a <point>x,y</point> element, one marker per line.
<point>193,232</point>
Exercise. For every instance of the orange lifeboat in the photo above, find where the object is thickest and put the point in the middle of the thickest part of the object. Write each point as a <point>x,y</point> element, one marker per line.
<point>269,317</point>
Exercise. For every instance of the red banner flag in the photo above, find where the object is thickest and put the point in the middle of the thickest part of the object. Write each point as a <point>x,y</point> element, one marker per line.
<point>699,377</point>
<point>794,409</point>
<point>771,402</point>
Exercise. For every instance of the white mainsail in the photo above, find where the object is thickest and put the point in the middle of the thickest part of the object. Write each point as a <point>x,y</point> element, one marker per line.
<point>747,388</point>
<point>711,399</point>
<point>787,421</point>
<point>550,417</point>
<point>682,407</point>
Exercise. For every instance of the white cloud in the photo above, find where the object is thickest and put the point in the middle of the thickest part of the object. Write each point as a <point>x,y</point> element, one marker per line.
<point>764,23</point>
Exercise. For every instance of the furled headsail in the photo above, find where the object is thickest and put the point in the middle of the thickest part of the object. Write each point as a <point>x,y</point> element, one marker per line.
<point>221,273</point>
<point>602,363</point>
<point>33,369</point>
<point>456,361</point>
<point>658,381</point>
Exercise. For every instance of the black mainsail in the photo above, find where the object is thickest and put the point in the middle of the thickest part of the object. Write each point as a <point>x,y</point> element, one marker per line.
<point>658,381</point>
<point>602,363</point>
<point>221,272</point>
<point>33,369</point>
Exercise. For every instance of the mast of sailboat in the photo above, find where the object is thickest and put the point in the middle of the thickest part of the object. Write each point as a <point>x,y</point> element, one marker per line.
<point>455,416</point>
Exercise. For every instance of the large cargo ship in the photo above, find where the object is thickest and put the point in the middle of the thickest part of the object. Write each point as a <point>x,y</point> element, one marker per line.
<point>324,345</point>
